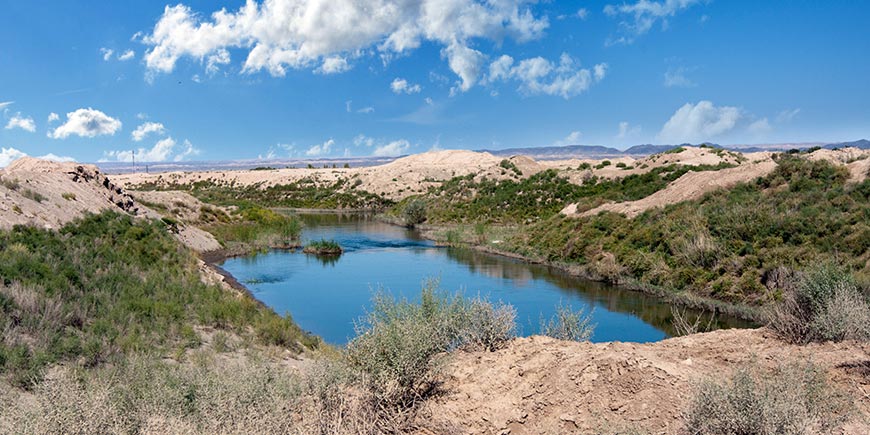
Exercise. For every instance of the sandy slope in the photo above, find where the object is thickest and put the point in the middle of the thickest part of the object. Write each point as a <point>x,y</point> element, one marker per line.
<point>692,185</point>
<point>538,385</point>
<point>49,195</point>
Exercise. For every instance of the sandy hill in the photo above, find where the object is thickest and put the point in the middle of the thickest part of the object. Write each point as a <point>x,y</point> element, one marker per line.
<point>694,185</point>
<point>394,180</point>
<point>50,194</point>
<point>539,385</point>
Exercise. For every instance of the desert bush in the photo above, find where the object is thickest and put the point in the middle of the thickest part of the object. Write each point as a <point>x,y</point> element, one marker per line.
<point>398,343</point>
<point>568,324</point>
<point>414,213</point>
<point>793,400</point>
<point>487,326</point>
<point>684,325</point>
<point>825,304</point>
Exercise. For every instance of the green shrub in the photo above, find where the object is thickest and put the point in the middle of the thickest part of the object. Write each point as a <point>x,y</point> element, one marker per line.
<point>69,196</point>
<point>824,305</point>
<point>398,342</point>
<point>568,324</point>
<point>414,213</point>
<point>323,247</point>
<point>793,400</point>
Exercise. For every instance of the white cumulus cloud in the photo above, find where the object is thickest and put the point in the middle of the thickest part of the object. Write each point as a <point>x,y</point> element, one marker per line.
<point>333,65</point>
<point>700,122</point>
<point>282,34</point>
<point>107,53</point>
<point>9,155</point>
<point>24,123</point>
<point>160,152</point>
<point>145,129</point>
<point>320,149</point>
<point>573,138</point>
<point>52,117</point>
<point>86,123</point>
<point>392,149</point>
<point>539,76</point>
<point>401,86</point>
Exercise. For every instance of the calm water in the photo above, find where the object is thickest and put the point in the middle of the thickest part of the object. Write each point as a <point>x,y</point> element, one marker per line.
<point>325,296</point>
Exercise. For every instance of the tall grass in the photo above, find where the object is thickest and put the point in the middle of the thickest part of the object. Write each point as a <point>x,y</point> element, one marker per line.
<point>108,285</point>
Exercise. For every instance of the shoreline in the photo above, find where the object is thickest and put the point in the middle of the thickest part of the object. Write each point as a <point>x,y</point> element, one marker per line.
<point>742,312</point>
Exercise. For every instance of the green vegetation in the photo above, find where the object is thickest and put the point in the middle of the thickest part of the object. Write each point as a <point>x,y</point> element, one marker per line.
<point>398,342</point>
<point>727,245</point>
<point>107,286</point>
<point>414,213</point>
<point>10,183</point>
<point>824,304</point>
<point>33,195</point>
<point>252,228</point>
<point>567,324</point>
<point>509,165</point>
<point>305,193</point>
<point>603,164</point>
<point>323,247</point>
<point>69,196</point>
<point>793,400</point>
<point>539,197</point>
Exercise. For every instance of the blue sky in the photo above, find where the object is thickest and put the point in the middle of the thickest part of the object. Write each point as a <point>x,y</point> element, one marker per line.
<point>328,78</point>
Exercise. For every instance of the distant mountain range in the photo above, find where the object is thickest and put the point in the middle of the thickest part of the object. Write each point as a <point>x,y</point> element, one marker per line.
<point>598,151</point>
<point>538,153</point>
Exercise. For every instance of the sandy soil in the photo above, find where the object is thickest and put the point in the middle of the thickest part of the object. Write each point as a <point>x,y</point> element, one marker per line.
<point>540,385</point>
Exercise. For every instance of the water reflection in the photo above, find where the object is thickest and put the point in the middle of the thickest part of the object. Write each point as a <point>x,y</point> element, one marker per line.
<point>326,294</point>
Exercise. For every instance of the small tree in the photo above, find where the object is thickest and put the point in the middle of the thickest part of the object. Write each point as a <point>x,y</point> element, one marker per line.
<point>414,213</point>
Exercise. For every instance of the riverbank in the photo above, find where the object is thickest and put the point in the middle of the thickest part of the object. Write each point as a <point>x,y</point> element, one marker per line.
<point>437,233</point>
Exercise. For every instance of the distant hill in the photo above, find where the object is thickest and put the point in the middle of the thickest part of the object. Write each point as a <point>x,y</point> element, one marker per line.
<point>863,144</point>
<point>558,152</point>
<point>598,151</point>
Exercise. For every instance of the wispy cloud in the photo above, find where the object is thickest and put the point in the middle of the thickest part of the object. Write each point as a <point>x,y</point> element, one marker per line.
<point>639,17</point>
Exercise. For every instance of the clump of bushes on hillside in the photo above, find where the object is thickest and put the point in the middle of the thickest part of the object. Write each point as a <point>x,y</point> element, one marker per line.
<point>824,304</point>
<point>793,400</point>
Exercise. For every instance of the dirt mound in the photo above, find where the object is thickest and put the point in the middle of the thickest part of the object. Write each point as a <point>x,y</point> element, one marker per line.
<point>50,194</point>
<point>540,385</point>
<point>692,185</point>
